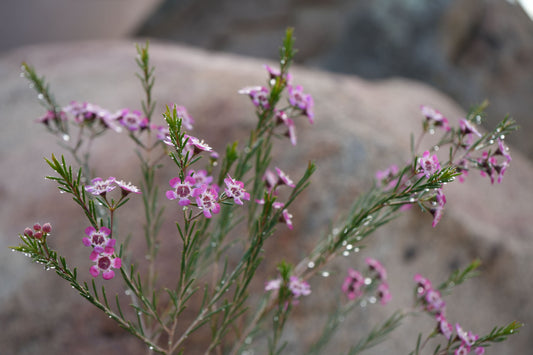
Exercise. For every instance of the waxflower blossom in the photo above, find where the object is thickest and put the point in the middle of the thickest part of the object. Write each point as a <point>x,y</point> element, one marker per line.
<point>386,178</point>
<point>423,285</point>
<point>284,179</point>
<point>435,117</point>
<point>52,116</point>
<point>186,120</point>
<point>301,101</point>
<point>376,266</point>
<point>132,119</point>
<point>428,164</point>
<point>207,200</point>
<point>352,284</point>
<point>235,189</point>
<point>434,302</point>
<point>197,145</point>
<point>258,94</point>
<point>285,217</point>
<point>100,186</point>
<point>273,284</point>
<point>384,294</point>
<point>299,287</point>
<point>444,327</point>
<point>127,187</point>
<point>438,206</point>
<point>468,130</point>
<point>201,177</point>
<point>183,190</point>
<point>82,112</point>
<point>282,118</point>
<point>98,239</point>
<point>104,262</point>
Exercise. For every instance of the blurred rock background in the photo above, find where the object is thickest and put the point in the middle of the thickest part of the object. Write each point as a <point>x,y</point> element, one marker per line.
<point>469,50</point>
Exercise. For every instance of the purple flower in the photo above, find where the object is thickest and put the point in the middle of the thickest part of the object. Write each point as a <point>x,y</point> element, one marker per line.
<point>301,101</point>
<point>52,116</point>
<point>462,350</point>
<point>376,266</point>
<point>98,239</point>
<point>299,287</point>
<point>201,177</point>
<point>468,130</point>
<point>104,262</point>
<point>127,187</point>
<point>428,164</point>
<point>197,145</point>
<point>182,190</point>
<point>258,94</point>
<point>100,186</point>
<point>235,189</point>
<point>285,217</point>
<point>207,200</point>
<point>352,284</point>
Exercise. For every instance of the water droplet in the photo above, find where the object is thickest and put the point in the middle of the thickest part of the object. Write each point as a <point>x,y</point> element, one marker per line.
<point>61,191</point>
<point>502,137</point>
<point>128,292</point>
<point>325,274</point>
<point>213,244</point>
<point>139,313</point>
<point>478,119</point>
<point>431,131</point>
<point>335,231</point>
<point>349,247</point>
<point>346,253</point>
<point>276,318</point>
<point>498,129</point>
<point>363,304</point>
<point>345,230</point>
<point>491,141</point>
<point>412,200</point>
<point>40,97</point>
<point>151,347</point>
<point>436,148</point>
<point>358,238</point>
<point>248,340</point>
<point>356,250</point>
<point>344,243</point>
<point>65,137</point>
<point>22,75</point>
<point>368,281</point>
<point>31,85</point>
<point>215,163</point>
<point>372,299</point>
<point>247,150</point>
<point>272,82</point>
<point>311,264</point>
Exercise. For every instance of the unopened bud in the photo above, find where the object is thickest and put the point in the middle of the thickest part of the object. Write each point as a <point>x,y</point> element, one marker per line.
<point>28,232</point>
<point>47,228</point>
<point>38,235</point>
<point>37,227</point>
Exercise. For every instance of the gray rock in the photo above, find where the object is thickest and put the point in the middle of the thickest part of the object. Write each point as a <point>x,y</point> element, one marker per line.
<point>360,127</point>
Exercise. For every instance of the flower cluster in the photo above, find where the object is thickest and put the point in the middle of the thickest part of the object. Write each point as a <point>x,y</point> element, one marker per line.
<point>272,183</point>
<point>100,187</point>
<point>38,232</point>
<point>433,304</point>
<point>299,103</point>
<point>198,186</point>
<point>356,284</point>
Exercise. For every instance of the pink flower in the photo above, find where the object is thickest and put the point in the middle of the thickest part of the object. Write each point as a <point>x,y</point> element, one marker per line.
<point>299,287</point>
<point>301,101</point>
<point>462,350</point>
<point>273,284</point>
<point>434,302</point>
<point>207,200</point>
<point>437,209</point>
<point>104,262</point>
<point>127,187</point>
<point>235,190</point>
<point>384,293</point>
<point>435,117</point>
<point>376,266</point>
<point>428,165</point>
<point>132,119</point>
<point>100,186</point>
<point>479,350</point>
<point>284,178</point>
<point>182,190</point>
<point>200,177</point>
<point>282,117</point>
<point>197,145</point>
<point>352,284</point>
<point>423,285</point>
<point>444,327</point>
<point>285,217</point>
<point>258,94</point>
<point>98,239</point>
<point>186,120</point>
<point>387,178</point>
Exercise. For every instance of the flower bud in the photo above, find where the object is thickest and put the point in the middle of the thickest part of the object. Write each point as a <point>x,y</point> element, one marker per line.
<point>47,228</point>
<point>28,232</point>
<point>37,227</point>
<point>38,235</point>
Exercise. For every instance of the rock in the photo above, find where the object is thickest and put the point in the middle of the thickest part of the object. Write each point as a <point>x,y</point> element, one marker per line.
<point>360,127</point>
<point>472,51</point>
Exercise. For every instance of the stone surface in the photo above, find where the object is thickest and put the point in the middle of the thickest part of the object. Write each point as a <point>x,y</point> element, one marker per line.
<point>360,127</point>
<point>471,50</point>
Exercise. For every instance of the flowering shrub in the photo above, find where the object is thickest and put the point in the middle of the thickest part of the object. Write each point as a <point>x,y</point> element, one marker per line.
<point>216,193</point>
